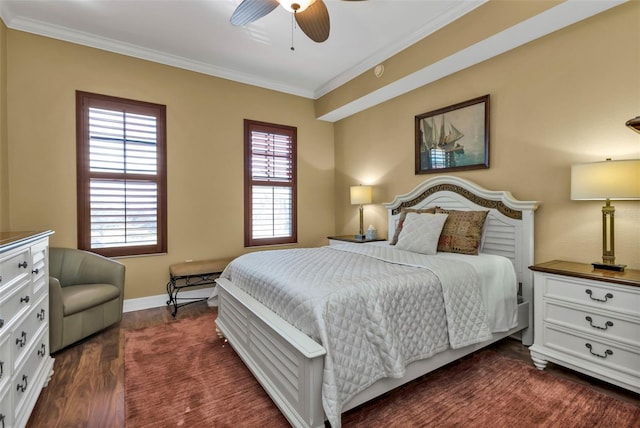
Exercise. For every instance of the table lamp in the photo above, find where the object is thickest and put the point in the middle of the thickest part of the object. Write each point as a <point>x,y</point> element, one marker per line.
<point>608,180</point>
<point>361,195</point>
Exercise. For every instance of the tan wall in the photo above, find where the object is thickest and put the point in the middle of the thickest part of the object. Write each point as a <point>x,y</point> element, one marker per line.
<point>205,150</point>
<point>4,182</point>
<point>560,100</point>
<point>557,101</point>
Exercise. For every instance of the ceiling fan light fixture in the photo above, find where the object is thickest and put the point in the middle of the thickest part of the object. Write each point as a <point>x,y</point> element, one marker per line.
<point>296,6</point>
<point>634,124</point>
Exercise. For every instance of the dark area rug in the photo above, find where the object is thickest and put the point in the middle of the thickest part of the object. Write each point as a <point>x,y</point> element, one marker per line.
<point>182,375</point>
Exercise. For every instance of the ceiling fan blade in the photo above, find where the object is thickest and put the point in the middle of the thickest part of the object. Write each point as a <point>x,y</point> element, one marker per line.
<point>314,21</point>
<point>251,10</point>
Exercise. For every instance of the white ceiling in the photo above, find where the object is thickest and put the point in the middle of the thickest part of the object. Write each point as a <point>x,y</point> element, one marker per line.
<point>197,35</point>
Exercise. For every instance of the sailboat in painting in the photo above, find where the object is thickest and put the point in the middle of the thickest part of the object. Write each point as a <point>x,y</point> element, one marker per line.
<point>440,143</point>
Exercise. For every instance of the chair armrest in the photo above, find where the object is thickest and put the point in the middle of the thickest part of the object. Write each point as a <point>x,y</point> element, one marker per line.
<point>56,314</point>
<point>55,293</point>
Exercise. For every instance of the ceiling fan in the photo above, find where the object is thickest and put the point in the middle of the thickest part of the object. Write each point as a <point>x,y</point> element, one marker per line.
<point>311,15</point>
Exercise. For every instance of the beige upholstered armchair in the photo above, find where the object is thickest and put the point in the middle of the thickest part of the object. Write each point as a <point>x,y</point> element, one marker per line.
<point>86,292</point>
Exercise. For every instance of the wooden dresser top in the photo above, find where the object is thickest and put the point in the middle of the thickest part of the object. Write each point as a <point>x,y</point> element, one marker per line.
<point>584,270</point>
<point>9,240</point>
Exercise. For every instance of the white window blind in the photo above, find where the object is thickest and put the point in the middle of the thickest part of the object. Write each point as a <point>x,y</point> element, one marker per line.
<point>122,142</point>
<point>271,157</point>
<point>271,212</point>
<point>272,184</point>
<point>123,211</point>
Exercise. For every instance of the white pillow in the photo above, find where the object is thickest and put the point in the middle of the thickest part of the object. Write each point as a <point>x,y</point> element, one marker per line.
<point>420,233</point>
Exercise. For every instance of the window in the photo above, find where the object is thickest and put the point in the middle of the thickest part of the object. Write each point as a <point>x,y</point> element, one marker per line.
<point>270,184</point>
<point>121,174</point>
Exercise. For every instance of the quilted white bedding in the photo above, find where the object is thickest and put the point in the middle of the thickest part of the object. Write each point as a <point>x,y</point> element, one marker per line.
<point>375,308</point>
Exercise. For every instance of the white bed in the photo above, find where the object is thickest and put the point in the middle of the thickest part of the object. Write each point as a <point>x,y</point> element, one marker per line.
<point>290,365</point>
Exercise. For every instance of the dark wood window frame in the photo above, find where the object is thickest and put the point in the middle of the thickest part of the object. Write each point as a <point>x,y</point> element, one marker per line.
<point>289,133</point>
<point>85,101</point>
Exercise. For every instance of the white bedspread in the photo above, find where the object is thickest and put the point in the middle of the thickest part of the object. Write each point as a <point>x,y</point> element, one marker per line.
<point>375,308</point>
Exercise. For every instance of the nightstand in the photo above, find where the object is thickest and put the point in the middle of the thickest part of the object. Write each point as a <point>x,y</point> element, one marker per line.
<point>588,320</point>
<point>333,240</point>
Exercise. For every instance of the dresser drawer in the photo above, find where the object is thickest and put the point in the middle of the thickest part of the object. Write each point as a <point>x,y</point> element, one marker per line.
<point>16,302</point>
<point>6,369</point>
<point>604,324</point>
<point>592,293</point>
<point>29,327</point>
<point>39,271</point>
<point>6,407</point>
<point>14,265</point>
<point>24,381</point>
<point>618,358</point>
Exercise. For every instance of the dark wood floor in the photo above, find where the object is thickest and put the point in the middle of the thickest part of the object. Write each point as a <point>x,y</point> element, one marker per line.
<point>87,387</point>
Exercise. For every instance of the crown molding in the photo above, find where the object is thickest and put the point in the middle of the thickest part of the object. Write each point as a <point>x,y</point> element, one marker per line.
<point>123,48</point>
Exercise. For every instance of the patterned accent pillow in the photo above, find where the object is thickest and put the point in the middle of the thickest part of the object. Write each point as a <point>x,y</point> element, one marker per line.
<point>462,232</point>
<point>403,215</point>
<point>421,232</point>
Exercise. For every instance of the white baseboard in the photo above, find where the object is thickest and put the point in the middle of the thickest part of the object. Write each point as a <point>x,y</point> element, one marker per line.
<point>160,300</point>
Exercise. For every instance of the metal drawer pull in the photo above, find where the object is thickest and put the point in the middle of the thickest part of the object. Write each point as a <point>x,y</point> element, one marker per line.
<point>42,351</point>
<point>606,325</point>
<point>606,353</point>
<point>36,271</point>
<point>1,323</point>
<point>1,369</point>
<point>23,387</point>
<point>23,264</point>
<point>2,417</point>
<point>22,340</point>
<point>606,296</point>
<point>40,315</point>
<point>24,299</point>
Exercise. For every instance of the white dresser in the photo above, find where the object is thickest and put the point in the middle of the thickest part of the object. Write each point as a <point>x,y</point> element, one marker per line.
<point>588,320</point>
<point>25,364</point>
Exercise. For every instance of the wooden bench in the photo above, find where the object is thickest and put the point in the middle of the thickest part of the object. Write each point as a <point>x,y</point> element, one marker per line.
<point>192,274</point>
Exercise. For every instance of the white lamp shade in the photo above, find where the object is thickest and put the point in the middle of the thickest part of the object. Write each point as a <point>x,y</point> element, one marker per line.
<point>361,195</point>
<point>617,180</point>
<point>304,4</point>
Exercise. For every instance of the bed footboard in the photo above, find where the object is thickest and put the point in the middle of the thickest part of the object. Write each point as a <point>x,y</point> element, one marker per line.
<point>286,362</point>
<point>289,365</point>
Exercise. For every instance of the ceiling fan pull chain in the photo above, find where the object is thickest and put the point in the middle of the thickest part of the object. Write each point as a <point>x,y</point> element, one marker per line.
<point>293,26</point>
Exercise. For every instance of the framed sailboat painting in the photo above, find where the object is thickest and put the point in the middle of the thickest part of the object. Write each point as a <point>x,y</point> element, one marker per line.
<point>453,138</point>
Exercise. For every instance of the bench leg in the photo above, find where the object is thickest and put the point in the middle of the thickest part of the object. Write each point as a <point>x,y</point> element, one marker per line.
<point>172,291</point>
<point>173,287</point>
